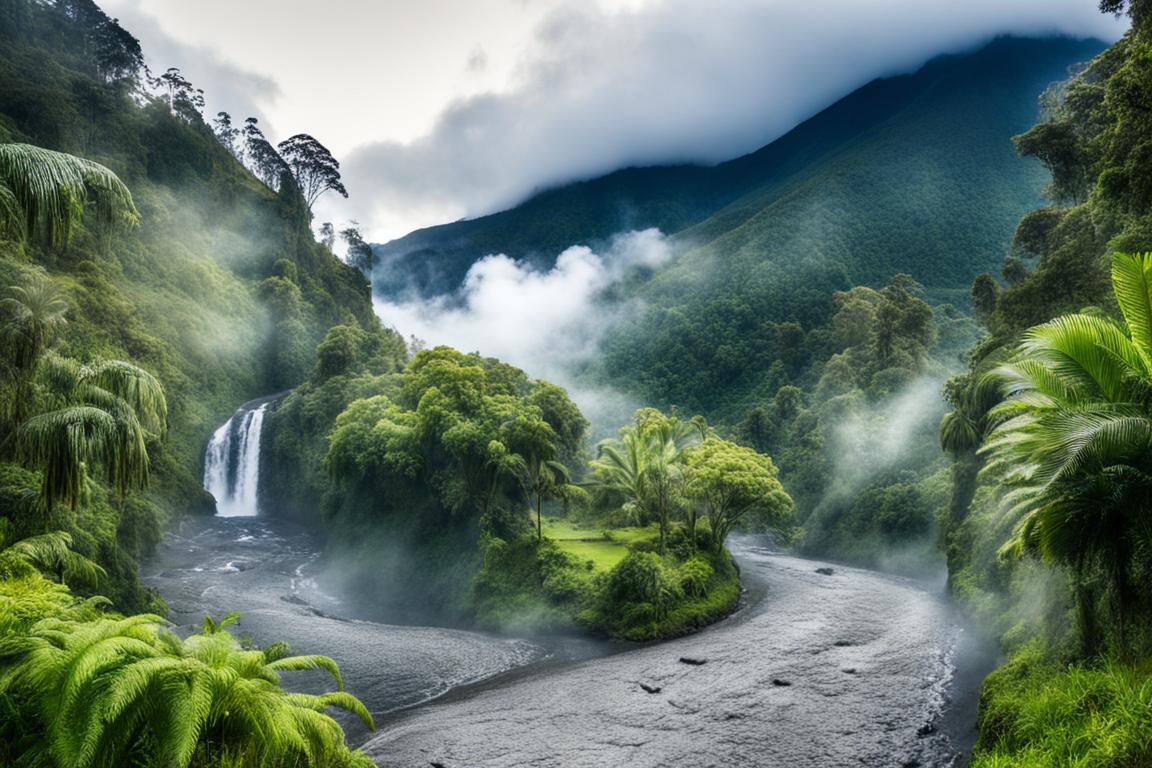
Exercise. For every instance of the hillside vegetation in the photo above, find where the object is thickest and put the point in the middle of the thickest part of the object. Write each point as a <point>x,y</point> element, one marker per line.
<point>221,292</point>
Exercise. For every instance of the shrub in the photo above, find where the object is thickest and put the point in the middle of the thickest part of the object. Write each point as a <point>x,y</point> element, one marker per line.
<point>695,574</point>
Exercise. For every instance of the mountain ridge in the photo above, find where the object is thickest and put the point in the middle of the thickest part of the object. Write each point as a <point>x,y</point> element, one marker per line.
<point>678,198</point>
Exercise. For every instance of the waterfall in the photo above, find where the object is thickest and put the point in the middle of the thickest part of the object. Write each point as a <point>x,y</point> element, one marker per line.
<point>232,462</point>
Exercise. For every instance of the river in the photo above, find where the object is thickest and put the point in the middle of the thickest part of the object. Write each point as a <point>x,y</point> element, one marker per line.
<point>854,668</point>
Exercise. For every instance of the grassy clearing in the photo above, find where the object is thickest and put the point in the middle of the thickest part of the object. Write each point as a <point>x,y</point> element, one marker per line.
<point>605,548</point>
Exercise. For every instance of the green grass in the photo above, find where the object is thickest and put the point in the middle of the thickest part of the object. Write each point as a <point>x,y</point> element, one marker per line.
<point>1035,712</point>
<point>605,548</point>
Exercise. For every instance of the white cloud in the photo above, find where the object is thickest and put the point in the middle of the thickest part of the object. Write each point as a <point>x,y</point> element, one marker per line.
<point>546,322</point>
<point>669,80</point>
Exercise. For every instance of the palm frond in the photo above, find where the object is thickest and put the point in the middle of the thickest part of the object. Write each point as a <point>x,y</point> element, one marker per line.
<point>1132,284</point>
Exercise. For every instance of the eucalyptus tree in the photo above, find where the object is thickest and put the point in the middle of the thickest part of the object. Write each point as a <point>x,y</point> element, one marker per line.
<point>262,158</point>
<point>1074,441</point>
<point>110,690</point>
<point>315,169</point>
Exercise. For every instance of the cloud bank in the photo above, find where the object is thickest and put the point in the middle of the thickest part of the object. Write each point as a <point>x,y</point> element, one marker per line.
<point>670,80</point>
<point>547,322</point>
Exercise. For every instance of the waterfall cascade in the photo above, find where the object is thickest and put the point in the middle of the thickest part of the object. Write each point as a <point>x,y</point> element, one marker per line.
<point>232,462</point>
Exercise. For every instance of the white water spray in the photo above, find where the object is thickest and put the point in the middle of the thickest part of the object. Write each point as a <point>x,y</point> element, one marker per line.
<point>232,463</point>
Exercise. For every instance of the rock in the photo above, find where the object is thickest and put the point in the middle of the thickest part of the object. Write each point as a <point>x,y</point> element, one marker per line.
<point>692,662</point>
<point>849,670</point>
<point>926,730</point>
<point>651,688</point>
<point>843,643</point>
<point>782,683</point>
<point>825,571</point>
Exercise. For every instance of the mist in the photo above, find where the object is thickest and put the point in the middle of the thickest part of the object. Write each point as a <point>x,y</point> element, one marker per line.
<point>548,322</point>
<point>869,444</point>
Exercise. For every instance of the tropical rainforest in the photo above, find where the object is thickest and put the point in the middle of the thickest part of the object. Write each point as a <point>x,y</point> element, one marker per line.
<point>844,359</point>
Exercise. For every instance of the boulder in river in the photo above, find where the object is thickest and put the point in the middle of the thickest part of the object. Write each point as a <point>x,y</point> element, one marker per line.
<point>693,662</point>
<point>825,571</point>
<point>781,683</point>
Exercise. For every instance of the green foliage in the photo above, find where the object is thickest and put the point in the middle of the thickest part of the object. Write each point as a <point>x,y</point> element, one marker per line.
<point>45,193</point>
<point>644,469</point>
<point>647,597</point>
<point>178,296</point>
<point>109,690</point>
<point>732,482</point>
<point>1038,713</point>
<point>465,446</point>
<point>1072,440</point>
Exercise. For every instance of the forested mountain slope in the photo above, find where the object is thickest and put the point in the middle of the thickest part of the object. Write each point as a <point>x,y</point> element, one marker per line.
<point>221,292</point>
<point>914,174</point>
<point>933,141</point>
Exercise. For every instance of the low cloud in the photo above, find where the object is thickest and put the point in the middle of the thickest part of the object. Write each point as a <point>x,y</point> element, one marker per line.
<point>547,322</point>
<point>670,80</point>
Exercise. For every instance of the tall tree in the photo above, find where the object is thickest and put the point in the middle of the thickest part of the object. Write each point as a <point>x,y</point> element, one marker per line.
<point>534,464</point>
<point>315,169</point>
<point>360,254</point>
<point>184,99</point>
<point>228,134</point>
<point>262,158</point>
<point>645,464</point>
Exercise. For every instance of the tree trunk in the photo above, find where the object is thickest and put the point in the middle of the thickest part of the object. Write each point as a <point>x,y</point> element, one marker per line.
<point>965,469</point>
<point>663,529</point>
<point>539,519</point>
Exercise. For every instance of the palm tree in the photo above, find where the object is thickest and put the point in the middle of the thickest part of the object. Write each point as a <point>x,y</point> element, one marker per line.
<point>46,194</point>
<point>1074,440</point>
<point>533,464</point>
<point>32,315</point>
<point>109,689</point>
<point>645,464</point>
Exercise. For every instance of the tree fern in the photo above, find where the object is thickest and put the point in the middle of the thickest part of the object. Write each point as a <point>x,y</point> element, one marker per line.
<point>47,193</point>
<point>50,553</point>
<point>107,688</point>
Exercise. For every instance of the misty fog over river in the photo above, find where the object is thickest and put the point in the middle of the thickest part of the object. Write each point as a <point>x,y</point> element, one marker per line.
<point>853,668</point>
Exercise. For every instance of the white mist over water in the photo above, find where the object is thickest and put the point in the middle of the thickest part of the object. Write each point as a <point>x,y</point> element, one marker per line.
<point>232,463</point>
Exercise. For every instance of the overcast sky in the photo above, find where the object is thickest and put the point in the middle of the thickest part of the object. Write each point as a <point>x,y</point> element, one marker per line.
<point>440,109</point>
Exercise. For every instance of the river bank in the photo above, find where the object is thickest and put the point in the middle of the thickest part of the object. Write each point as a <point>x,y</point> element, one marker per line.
<point>852,668</point>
